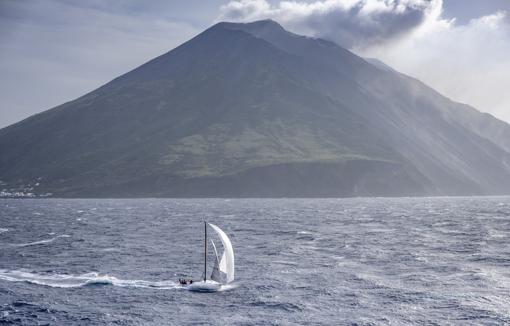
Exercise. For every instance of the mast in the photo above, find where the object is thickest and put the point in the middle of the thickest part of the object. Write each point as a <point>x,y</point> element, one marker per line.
<point>205,251</point>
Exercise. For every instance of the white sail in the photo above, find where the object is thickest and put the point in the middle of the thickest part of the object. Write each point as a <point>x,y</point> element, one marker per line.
<point>226,263</point>
<point>215,253</point>
<point>216,274</point>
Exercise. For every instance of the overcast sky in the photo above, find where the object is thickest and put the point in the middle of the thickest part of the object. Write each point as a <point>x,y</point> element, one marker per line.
<point>53,51</point>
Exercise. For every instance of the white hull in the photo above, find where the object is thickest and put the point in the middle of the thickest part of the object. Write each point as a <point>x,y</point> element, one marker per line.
<point>207,286</point>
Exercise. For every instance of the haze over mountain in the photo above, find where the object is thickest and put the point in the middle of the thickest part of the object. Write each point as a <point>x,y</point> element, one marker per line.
<point>253,110</point>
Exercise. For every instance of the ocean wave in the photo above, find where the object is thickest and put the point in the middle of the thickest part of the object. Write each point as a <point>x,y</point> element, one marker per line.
<point>2,230</point>
<point>82,280</point>
<point>285,262</point>
<point>40,241</point>
<point>91,279</point>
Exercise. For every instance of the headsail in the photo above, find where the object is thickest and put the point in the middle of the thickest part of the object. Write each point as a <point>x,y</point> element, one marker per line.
<point>216,274</point>
<point>226,263</point>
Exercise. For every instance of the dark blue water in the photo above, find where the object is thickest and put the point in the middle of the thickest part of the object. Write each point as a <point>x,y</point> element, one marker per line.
<point>298,261</point>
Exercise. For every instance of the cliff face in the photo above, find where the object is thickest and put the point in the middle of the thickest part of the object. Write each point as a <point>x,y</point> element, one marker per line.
<point>253,110</point>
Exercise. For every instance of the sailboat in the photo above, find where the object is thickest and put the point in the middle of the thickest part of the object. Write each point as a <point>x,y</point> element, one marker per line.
<point>223,269</point>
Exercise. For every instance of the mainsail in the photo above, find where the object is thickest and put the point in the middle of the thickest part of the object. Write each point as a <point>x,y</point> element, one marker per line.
<point>224,266</point>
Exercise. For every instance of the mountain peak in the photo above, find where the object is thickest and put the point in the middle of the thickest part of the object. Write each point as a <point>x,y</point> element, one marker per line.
<point>264,23</point>
<point>249,109</point>
<point>256,28</point>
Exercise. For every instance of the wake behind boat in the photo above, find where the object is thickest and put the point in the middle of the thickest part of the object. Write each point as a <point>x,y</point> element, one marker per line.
<point>223,269</point>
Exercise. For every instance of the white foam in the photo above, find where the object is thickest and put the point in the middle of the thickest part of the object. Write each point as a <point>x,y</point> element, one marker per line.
<point>88,279</point>
<point>2,230</point>
<point>227,287</point>
<point>40,242</point>
<point>285,262</point>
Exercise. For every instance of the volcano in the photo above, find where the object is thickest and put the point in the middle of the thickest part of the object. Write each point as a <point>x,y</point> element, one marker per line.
<point>252,110</point>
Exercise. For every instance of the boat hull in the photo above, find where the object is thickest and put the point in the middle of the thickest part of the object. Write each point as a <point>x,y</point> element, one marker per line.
<point>207,286</point>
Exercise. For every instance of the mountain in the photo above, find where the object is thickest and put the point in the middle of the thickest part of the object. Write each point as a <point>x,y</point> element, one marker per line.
<point>254,110</point>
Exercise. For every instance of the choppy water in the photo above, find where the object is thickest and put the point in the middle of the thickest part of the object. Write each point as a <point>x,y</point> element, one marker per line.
<point>298,261</point>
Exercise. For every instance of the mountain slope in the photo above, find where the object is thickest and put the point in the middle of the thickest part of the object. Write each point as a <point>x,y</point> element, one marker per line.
<point>253,110</point>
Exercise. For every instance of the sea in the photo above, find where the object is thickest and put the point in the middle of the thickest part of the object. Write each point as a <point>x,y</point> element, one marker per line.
<point>358,261</point>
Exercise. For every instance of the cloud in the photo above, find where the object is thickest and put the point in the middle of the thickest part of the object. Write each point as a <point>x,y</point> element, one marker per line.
<point>469,63</point>
<point>351,23</point>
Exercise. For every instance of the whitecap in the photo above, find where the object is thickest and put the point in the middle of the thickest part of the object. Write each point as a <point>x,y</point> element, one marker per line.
<point>2,230</point>
<point>81,280</point>
<point>227,287</point>
<point>40,242</point>
<point>285,262</point>
<point>110,249</point>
